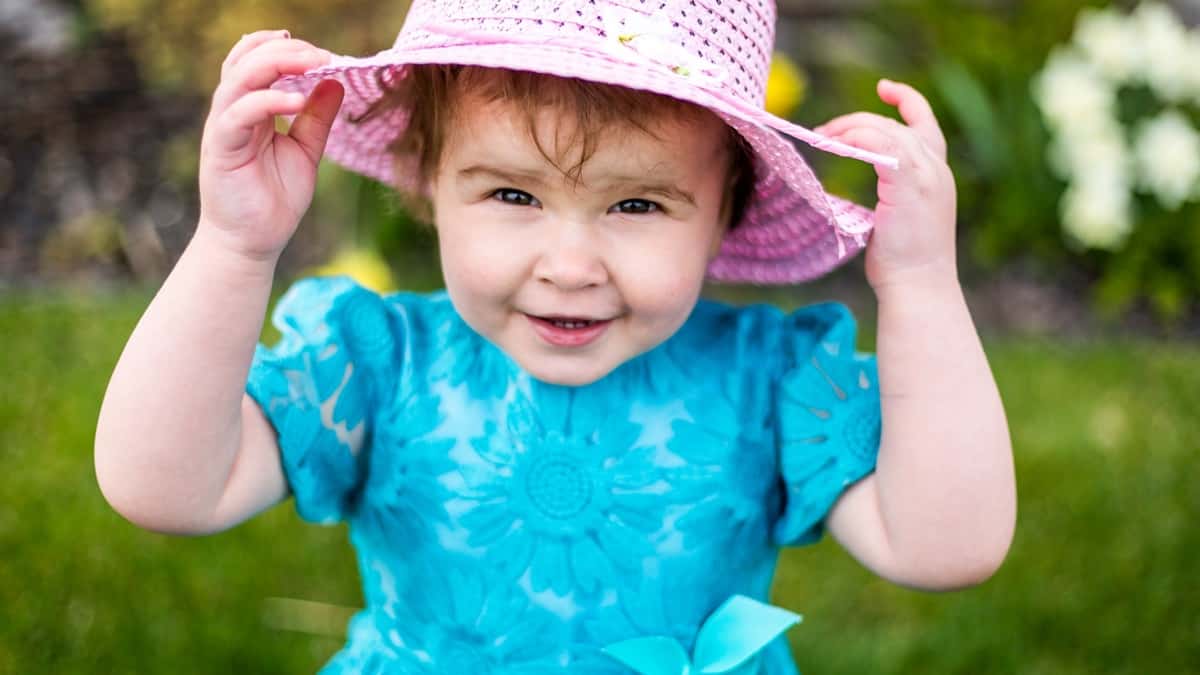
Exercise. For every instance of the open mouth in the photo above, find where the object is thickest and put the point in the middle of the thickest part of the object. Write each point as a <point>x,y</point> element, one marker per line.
<point>570,324</point>
<point>566,331</point>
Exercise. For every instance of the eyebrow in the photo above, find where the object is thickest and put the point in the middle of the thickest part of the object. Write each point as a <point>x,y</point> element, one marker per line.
<point>639,183</point>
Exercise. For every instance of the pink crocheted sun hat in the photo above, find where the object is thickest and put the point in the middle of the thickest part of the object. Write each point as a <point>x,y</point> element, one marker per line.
<point>713,53</point>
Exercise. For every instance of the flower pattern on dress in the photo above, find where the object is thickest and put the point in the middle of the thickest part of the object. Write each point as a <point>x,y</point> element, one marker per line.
<point>457,619</point>
<point>467,359</point>
<point>718,446</point>
<point>665,604</point>
<point>367,332</point>
<point>404,499</point>
<point>317,397</point>
<point>830,428</point>
<point>370,652</point>
<point>836,395</point>
<point>576,511</point>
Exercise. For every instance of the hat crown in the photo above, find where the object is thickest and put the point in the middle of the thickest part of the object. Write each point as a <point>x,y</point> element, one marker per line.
<point>719,43</point>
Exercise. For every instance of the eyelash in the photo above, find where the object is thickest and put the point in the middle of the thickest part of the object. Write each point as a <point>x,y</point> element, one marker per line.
<point>505,195</point>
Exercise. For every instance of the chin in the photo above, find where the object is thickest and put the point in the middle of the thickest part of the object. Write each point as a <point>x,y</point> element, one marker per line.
<point>568,374</point>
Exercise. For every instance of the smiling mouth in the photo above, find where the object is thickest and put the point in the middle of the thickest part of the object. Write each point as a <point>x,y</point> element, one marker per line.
<point>568,331</point>
<point>570,324</point>
<point>568,319</point>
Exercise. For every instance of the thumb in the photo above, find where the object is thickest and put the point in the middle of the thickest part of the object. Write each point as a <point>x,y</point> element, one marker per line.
<point>311,127</point>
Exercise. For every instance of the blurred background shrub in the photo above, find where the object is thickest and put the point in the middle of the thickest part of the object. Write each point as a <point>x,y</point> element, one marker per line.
<point>1122,102</point>
<point>179,44</point>
<point>980,63</point>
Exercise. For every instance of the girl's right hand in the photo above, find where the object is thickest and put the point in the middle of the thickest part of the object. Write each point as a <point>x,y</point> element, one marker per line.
<point>256,183</point>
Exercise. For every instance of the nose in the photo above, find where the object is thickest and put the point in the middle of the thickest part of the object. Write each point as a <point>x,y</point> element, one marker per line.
<point>571,259</point>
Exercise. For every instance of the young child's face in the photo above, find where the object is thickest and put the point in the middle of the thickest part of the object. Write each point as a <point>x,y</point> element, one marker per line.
<point>573,280</point>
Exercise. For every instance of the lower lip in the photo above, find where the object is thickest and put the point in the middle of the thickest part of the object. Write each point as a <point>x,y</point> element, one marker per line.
<point>568,337</point>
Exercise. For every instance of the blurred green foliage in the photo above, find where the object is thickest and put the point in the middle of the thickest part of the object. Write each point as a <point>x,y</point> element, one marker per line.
<point>368,214</point>
<point>975,61</point>
<point>85,592</point>
<point>1100,578</point>
<point>1161,260</point>
<point>181,43</point>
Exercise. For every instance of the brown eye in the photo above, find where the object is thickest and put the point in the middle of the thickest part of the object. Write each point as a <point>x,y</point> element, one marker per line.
<point>636,206</point>
<point>514,197</point>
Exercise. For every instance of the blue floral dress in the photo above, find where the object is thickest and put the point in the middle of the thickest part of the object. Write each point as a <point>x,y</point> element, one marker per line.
<point>506,526</point>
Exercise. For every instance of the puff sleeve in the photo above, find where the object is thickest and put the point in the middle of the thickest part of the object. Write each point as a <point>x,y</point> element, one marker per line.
<point>828,419</point>
<point>320,387</point>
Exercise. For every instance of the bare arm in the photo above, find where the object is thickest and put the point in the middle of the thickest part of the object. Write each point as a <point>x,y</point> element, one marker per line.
<point>180,448</point>
<point>172,426</point>
<point>940,510</point>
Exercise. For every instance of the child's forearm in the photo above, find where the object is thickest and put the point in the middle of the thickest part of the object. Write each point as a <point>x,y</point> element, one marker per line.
<point>946,491</point>
<point>170,425</point>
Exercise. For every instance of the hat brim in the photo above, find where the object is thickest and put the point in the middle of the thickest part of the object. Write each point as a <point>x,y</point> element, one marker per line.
<point>791,231</point>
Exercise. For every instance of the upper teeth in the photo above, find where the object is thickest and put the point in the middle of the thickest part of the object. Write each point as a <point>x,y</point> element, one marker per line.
<point>572,324</point>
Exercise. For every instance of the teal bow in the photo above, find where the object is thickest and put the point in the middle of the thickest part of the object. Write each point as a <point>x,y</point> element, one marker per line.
<point>730,637</point>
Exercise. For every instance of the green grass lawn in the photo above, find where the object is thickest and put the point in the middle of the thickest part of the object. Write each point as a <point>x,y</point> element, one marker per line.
<point>1101,578</point>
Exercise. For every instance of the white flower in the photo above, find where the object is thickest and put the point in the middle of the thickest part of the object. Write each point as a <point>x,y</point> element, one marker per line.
<point>1071,91</point>
<point>1077,93</point>
<point>1168,158</point>
<point>625,26</point>
<point>1165,46</point>
<point>1083,149</point>
<point>1110,41</point>
<point>1097,213</point>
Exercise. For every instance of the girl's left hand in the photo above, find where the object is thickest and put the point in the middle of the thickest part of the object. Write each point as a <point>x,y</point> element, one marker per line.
<point>914,238</point>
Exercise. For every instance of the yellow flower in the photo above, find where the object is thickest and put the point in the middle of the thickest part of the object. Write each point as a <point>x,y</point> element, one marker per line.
<point>785,86</point>
<point>363,265</point>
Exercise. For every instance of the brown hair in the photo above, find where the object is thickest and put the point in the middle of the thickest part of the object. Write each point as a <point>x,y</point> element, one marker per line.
<point>429,92</point>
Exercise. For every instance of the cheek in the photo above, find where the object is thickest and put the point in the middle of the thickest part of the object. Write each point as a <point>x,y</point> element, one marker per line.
<point>663,282</point>
<point>462,264</point>
<point>475,260</point>
<point>477,267</point>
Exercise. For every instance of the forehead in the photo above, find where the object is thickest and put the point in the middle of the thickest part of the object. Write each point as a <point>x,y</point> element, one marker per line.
<point>661,141</point>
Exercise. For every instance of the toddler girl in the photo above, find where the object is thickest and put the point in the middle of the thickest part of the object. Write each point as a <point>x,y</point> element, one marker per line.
<point>567,462</point>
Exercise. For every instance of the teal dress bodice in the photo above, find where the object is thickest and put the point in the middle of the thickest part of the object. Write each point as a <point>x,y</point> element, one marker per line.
<point>506,526</point>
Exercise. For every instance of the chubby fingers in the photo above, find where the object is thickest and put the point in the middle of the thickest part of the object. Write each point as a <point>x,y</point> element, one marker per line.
<point>248,42</point>
<point>919,120</point>
<point>236,127</point>
<point>879,134</point>
<point>311,127</point>
<point>916,112</point>
<point>921,175</point>
<point>262,64</point>
<point>840,125</point>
